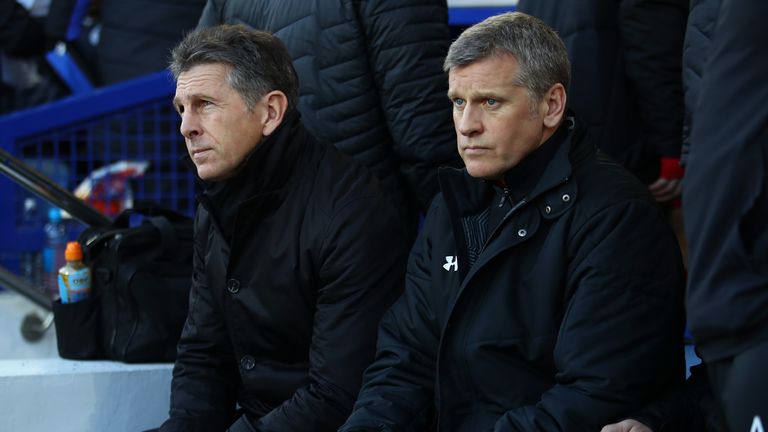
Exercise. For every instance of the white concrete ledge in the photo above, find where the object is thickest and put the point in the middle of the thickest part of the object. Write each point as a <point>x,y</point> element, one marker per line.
<point>63,395</point>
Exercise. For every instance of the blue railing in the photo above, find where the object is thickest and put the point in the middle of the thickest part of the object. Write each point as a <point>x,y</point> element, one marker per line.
<point>68,139</point>
<point>467,15</point>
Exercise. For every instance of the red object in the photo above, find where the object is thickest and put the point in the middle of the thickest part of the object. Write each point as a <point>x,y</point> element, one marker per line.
<point>671,169</point>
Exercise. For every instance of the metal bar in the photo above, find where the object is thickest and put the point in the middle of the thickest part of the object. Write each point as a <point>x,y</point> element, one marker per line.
<point>17,284</point>
<point>38,184</point>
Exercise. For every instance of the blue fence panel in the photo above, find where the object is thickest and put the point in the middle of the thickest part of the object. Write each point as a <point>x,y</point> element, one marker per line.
<point>466,16</point>
<point>68,139</point>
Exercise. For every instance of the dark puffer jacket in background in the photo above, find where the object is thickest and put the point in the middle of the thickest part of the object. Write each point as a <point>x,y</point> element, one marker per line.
<point>698,37</point>
<point>726,188</point>
<point>137,35</point>
<point>371,80</point>
<point>626,74</point>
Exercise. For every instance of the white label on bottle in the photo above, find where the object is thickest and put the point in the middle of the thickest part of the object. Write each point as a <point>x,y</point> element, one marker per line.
<point>75,286</point>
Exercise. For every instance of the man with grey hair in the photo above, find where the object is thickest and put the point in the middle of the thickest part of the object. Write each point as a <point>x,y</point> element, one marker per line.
<point>298,252</point>
<point>545,290</point>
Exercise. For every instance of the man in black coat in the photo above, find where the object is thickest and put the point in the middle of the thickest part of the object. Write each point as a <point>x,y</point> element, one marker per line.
<point>297,251</point>
<point>545,290</point>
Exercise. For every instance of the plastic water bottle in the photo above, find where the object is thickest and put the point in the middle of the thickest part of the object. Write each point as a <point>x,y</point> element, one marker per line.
<point>74,277</point>
<point>31,262</point>
<point>53,251</point>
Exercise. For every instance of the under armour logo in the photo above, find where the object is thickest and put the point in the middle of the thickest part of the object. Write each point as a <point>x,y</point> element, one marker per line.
<point>757,425</point>
<point>451,262</point>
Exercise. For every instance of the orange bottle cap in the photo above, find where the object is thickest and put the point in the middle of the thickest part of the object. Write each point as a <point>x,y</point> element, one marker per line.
<point>73,252</point>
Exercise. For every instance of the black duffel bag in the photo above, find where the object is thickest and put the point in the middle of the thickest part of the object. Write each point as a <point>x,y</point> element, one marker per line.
<point>139,290</point>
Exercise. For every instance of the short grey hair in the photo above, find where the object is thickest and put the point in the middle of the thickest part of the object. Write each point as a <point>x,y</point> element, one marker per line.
<point>259,62</point>
<point>539,51</point>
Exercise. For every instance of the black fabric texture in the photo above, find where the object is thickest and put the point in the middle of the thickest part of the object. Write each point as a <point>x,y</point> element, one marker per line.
<point>626,84</point>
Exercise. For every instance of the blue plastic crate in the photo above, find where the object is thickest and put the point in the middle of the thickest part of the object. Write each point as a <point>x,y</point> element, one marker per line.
<point>68,139</point>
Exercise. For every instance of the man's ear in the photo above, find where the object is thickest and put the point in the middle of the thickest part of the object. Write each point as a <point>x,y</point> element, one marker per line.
<point>553,106</point>
<point>276,106</point>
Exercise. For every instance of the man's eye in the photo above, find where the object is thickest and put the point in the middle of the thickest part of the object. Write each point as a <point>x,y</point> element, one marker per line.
<point>491,102</point>
<point>458,102</point>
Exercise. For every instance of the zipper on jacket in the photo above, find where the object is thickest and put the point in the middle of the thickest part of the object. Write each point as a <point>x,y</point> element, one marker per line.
<point>506,194</point>
<point>514,208</point>
<point>504,219</point>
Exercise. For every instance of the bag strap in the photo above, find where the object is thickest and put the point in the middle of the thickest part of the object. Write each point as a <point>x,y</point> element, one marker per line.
<point>169,239</point>
<point>147,210</point>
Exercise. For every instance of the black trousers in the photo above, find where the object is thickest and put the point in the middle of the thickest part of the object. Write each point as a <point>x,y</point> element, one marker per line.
<point>741,384</point>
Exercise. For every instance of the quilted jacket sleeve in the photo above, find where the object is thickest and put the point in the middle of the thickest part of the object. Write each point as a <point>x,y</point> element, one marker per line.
<point>205,376</point>
<point>407,42</point>
<point>211,15</point>
<point>623,323</point>
<point>398,387</point>
<point>653,33</point>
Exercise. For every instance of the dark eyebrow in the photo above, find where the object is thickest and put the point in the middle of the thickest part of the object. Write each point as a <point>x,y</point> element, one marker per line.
<point>488,96</point>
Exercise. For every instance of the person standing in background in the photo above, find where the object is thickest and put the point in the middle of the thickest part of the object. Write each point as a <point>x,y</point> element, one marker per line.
<point>27,80</point>
<point>20,33</point>
<point>726,214</point>
<point>726,208</point>
<point>136,36</point>
<point>627,84</point>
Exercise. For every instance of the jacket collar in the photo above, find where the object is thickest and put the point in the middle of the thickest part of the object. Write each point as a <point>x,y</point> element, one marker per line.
<point>268,166</point>
<point>267,171</point>
<point>522,179</point>
<point>544,169</point>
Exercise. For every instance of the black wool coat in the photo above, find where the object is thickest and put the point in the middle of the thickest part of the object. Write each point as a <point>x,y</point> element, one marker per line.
<point>282,318</point>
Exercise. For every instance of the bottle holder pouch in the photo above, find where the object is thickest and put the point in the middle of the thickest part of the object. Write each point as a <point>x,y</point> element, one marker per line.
<point>78,329</point>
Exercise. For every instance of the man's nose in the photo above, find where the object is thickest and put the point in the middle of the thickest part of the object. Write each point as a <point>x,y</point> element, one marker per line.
<point>468,121</point>
<point>190,125</point>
